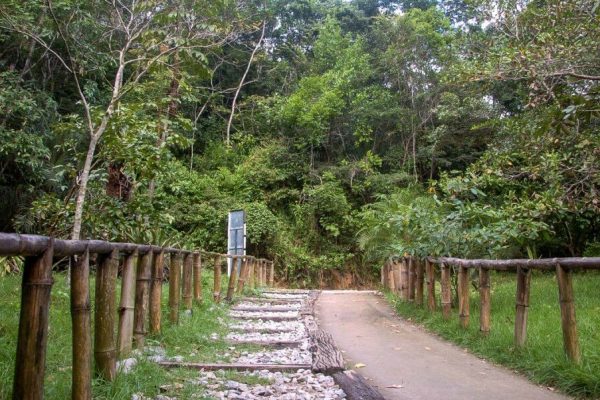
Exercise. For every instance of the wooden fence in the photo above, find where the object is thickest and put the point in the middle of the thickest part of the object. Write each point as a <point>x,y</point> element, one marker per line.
<point>139,311</point>
<point>407,277</point>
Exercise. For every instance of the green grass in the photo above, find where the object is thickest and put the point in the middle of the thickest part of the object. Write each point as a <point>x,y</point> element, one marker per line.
<point>542,360</point>
<point>190,339</point>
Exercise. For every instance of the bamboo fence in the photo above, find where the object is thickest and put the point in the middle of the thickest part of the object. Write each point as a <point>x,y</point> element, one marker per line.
<point>407,276</point>
<point>139,307</point>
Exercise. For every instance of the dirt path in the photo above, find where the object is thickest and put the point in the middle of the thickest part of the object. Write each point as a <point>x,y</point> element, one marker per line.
<point>396,352</point>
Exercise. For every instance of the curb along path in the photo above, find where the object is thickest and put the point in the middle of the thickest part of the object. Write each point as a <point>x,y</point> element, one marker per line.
<point>295,358</point>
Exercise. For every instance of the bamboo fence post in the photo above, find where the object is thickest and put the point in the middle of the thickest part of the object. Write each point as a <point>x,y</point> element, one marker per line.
<point>263,275</point>
<point>383,274</point>
<point>81,311</point>
<point>251,283</point>
<point>564,279</point>
<point>394,269</point>
<point>198,277</point>
<point>232,279</point>
<point>463,297</point>
<point>446,291</point>
<point>243,272</point>
<point>390,277</point>
<point>522,305</point>
<point>257,282</point>
<point>187,281</point>
<point>104,318</point>
<point>272,274</point>
<point>156,292</point>
<point>174,287</point>
<point>30,362</point>
<point>412,279</point>
<point>125,333</point>
<point>403,279</point>
<point>420,282</point>
<point>430,267</point>
<point>217,278</point>
<point>484,300</point>
<point>142,299</point>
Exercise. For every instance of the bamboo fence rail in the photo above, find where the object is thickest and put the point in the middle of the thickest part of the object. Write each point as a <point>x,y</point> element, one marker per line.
<point>139,305</point>
<point>397,275</point>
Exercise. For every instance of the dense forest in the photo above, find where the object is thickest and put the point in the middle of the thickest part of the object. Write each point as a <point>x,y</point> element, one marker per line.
<point>349,131</point>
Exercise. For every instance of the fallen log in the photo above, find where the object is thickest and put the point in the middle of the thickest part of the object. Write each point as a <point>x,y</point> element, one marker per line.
<point>355,386</point>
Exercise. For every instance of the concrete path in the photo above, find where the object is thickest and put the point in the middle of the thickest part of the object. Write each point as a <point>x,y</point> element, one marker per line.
<point>403,361</point>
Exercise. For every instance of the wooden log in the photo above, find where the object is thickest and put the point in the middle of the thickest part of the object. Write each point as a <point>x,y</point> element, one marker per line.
<point>257,282</point>
<point>419,282</point>
<point>522,305</point>
<point>412,279</point>
<point>174,287</point>
<point>156,292</point>
<point>272,274</point>
<point>268,317</point>
<point>251,276</point>
<point>265,309</point>
<point>187,281</point>
<point>125,333</point>
<point>232,279</point>
<point>236,367</point>
<point>32,337</point>
<point>430,267</point>
<point>391,284</point>
<point>463,297</point>
<point>564,277</point>
<point>382,274</point>
<point>403,279</point>
<point>484,301</point>
<point>355,386</point>
<point>142,299</point>
<point>277,344</point>
<point>270,300</point>
<point>104,317</point>
<point>327,359</point>
<point>395,271</point>
<point>198,277</point>
<point>81,311</point>
<point>217,280</point>
<point>446,291</point>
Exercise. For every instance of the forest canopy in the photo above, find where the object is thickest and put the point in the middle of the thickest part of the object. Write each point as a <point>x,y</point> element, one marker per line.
<point>349,131</point>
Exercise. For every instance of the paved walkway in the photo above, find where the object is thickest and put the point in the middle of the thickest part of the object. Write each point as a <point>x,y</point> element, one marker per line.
<point>405,362</point>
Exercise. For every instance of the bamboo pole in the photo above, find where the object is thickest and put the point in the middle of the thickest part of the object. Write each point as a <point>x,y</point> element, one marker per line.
<point>522,305</point>
<point>420,282</point>
<point>156,292</point>
<point>257,282</point>
<point>251,277</point>
<point>391,284</point>
<point>33,326</point>
<point>446,291</point>
<point>174,287</point>
<point>403,279</point>
<point>564,277</point>
<point>272,274</point>
<point>383,274</point>
<point>198,277</point>
<point>104,318</point>
<point>187,281</point>
<point>126,307</point>
<point>217,280</point>
<point>142,299</point>
<point>243,274</point>
<point>430,267</point>
<point>412,279</point>
<point>232,279</point>
<point>394,270</point>
<point>265,268</point>
<point>484,301</point>
<point>81,311</point>
<point>463,297</point>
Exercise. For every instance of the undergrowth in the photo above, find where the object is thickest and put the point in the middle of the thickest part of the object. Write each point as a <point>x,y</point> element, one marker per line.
<point>542,360</point>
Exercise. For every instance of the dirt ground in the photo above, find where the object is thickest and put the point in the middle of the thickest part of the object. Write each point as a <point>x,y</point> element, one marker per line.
<point>403,361</point>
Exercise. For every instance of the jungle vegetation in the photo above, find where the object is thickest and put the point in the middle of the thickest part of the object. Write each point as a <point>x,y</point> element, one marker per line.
<point>348,130</point>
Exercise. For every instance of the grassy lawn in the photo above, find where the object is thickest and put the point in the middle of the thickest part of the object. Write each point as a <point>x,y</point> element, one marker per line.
<point>543,360</point>
<point>190,339</point>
